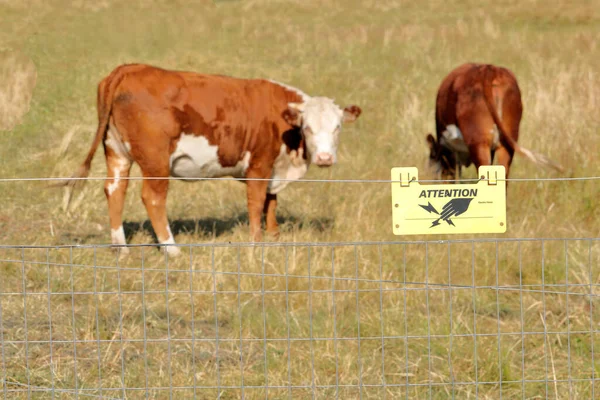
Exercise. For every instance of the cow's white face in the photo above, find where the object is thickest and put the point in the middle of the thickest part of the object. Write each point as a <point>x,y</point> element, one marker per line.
<point>320,121</point>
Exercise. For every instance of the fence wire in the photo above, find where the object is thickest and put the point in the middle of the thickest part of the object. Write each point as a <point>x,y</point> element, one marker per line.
<point>63,179</point>
<point>461,319</point>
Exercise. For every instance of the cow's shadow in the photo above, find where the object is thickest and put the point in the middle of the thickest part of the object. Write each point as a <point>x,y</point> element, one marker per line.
<point>216,227</point>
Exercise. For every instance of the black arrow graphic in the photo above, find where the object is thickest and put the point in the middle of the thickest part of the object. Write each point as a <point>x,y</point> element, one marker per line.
<point>453,208</point>
<point>429,208</point>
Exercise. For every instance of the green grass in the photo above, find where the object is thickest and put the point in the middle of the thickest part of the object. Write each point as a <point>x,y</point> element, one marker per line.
<point>389,58</point>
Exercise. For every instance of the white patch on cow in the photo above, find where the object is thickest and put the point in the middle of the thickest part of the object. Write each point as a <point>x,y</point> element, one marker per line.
<point>299,92</point>
<point>117,236</point>
<point>121,164</point>
<point>323,118</point>
<point>115,183</point>
<point>321,122</point>
<point>171,250</point>
<point>495,137</point>
<point>452,138</point>
<point>123,159</point>
<point>170,239</point>
<point>195,158</point>
<point>289,166</point>
<point>115,142</point>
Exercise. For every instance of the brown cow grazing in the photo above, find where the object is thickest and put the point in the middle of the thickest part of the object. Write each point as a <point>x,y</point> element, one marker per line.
<point>477,115</point>
<point>193,126</point>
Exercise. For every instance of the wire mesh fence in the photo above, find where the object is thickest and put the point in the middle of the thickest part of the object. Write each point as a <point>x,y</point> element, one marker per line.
<point>461,319</point>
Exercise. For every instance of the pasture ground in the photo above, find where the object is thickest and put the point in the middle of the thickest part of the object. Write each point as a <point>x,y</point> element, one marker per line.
<point>389,58</point>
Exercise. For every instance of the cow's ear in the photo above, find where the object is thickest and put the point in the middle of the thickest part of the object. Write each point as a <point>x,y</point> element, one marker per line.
<point>351,113</point>
<point>293,114</point>
<point>431,142</point>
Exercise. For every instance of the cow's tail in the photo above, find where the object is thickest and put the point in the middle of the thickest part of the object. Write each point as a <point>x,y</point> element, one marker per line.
<point>106,91</point>
<point>537,158</point>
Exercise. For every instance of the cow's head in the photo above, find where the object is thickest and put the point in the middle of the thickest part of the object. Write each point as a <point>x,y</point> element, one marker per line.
<point>441,161</point>
<point>320,121</point>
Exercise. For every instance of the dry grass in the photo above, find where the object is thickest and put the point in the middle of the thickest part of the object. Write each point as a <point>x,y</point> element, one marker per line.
<point>18,76</point>
<point>386,56</point>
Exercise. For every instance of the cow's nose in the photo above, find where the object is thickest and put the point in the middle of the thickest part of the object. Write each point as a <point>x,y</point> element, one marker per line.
<point>324,159</point>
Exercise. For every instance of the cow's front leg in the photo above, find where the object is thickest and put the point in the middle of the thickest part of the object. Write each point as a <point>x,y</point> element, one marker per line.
<point>257,195</point>
<point>154,196</point>
<point>271,217</point>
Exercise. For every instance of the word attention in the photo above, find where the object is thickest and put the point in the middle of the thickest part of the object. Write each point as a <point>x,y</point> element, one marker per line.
<point>435,193</point>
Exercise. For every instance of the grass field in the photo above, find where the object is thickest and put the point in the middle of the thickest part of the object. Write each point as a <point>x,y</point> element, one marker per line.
<point>388,57</point>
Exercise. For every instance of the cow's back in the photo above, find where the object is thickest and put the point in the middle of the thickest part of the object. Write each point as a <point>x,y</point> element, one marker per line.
<point>207,125</point>
<point>462,90</point>
<point>447,97</point>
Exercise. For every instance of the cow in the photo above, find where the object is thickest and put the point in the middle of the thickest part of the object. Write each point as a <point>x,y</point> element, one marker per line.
<point>191,126</point>
<point>477,115</point>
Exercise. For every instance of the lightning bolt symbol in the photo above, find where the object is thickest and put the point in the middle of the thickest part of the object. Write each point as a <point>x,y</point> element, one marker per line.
<point>429,208</point>
<point>435,223</point>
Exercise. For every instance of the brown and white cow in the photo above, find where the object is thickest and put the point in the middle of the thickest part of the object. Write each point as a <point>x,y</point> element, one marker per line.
<point>477,115</point>
<point>193,126</point>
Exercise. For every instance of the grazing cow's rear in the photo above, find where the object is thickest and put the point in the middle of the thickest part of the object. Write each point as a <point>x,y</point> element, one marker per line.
<point>195,126</point>
<point>478,112</point>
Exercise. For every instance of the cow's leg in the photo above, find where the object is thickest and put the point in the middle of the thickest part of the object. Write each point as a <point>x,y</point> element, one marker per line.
<point>115,188</point>
<point>512,111</point>
<point>505,157</point>
<point>480,154</point>
<point>271,217</point>
<point>257,196</point>
<point>154,196</point>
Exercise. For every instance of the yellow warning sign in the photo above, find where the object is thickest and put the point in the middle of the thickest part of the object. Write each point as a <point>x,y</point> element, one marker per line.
<point>449,208</point>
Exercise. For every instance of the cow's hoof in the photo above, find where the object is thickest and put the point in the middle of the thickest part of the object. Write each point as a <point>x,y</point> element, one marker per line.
<point>274,235</point>
<point>121,251</point>
<point>173,251</point>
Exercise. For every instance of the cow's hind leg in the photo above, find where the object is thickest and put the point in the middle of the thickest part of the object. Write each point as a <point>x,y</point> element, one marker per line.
<point>154,196</point>
<point>115,188</point>
<point>505,158</point>
<point>480,154</point>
